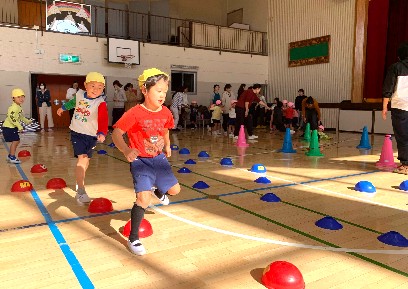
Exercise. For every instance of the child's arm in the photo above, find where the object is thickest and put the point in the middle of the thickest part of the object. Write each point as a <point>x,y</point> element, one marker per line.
<point>129,153</point>
<point>102,122</point>
<point>67,106</point>
<point>167,143</point>
<point>26,120</point>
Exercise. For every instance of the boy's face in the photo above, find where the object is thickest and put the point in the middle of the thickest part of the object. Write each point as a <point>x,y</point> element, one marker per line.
<point>257,91</point>
<point>155,97</point>
<point>94,88</point>
<point>19,99</point>
<point>217,88</point>
<point>301,93</point>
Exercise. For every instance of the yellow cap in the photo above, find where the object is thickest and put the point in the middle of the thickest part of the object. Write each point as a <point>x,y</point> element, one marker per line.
<point>17,92</point>
<point>95,76</point>
<point>149,73</point>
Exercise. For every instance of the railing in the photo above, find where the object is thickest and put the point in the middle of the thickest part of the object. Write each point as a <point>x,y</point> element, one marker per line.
<point>116,23</point>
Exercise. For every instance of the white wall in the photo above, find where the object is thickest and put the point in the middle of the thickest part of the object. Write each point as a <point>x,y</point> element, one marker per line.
<point>18,57</point>
<point>295,20</point>
<point>9,81</point>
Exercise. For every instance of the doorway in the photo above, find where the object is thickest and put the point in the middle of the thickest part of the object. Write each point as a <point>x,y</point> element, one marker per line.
<point>58,86</point>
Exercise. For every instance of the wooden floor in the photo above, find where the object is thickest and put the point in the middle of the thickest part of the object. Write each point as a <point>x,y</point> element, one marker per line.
<point>220,237</point>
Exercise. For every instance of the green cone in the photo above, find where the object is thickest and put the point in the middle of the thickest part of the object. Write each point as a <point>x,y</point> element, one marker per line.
<point>314,150</point>
<point>306,134</point>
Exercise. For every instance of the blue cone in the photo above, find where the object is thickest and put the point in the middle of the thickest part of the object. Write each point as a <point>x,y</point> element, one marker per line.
<point>365,187</point>
<point>394,239</point>
<point>258,168</point>
<point>404,185</point>
<point>184,151</point>
<point>102,152</point>
<point>262,180</point>
<point>184,170</point>
<point>271,198</point>
<point>203,154</point>
<point>329,223</point>
<point>201,185</point>
<point>174,147</point>
<point>190,162</point>
<point>226,162</point>
<point>287,143</point>
<point>112,145</point>
<point>364,142</point>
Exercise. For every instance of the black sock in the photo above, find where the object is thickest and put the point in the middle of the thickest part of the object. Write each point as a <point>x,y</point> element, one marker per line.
<point>158,194</point>
<point>136,217</point>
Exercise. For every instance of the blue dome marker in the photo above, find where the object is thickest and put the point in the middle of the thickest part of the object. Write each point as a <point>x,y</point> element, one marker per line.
<point>365,187</point>
<point>404,185</point>
<point>184,151</point>
<point>201,185</point>
<point>102,152</point>
<point>258,168</point>
<point>203,154</point>
<point>226,162</point>
<point>174,147</point>
<point>190,162</point>
<point>329,223</point>
<point>394,239</point>
<point>184,170</point>
<point>262,180</point>
<point>270,198</point>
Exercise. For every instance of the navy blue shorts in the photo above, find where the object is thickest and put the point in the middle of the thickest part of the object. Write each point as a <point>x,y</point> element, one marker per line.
<point>83,144</point>
<point>231,121</point>
<point>10,134</point>
<point>152,172</point>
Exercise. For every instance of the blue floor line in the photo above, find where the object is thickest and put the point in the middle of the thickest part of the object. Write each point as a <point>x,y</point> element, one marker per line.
<point>79,272</point>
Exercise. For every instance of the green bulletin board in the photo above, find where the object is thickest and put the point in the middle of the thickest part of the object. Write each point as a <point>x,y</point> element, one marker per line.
<point>309,51</point>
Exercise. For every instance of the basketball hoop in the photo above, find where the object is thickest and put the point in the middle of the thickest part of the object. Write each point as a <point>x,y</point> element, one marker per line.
<point>125,59</point>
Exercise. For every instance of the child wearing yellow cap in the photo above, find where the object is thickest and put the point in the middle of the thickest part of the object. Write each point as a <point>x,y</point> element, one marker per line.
<point>12,125</point>
<point>147,126</point>
<point>89,124</point>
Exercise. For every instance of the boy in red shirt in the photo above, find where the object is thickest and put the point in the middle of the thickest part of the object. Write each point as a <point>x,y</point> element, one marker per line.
<point>147,126</point>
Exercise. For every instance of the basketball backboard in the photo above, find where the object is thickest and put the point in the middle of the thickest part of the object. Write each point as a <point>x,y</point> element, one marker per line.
<point>123,51</point>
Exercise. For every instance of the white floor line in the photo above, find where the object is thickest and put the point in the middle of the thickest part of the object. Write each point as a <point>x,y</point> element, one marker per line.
<point>270,241</point>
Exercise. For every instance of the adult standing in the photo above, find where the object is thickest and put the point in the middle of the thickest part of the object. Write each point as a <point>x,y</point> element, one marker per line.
<point>226,106</point>
<point>176,104</point>
<point>395,89</point>
<point>71,92</point>
<point>132,98</point>
<point>44,106</point>
<point>242,110</point>
<point>298,106</point>
<point>241,89</point>
<point>119,99</point>
<point>216,94</point>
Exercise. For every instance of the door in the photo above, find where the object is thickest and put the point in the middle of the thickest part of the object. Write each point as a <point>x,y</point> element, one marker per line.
<point>58,86</point>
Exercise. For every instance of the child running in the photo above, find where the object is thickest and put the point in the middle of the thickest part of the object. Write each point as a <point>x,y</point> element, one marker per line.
<point>147,126</point>
<point>88,125</point>
<point>12,125</point>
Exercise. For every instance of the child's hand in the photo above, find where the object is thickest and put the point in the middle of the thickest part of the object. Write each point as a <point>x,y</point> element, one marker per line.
<point>131,154</point>
<point>167,150</point>
<point>101,138</point>
<point>60,111</point>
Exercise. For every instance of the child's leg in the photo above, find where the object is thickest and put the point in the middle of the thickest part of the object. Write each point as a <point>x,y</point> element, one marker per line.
<point>136,217</point>
<point>80,170</point>
<point>13,147</point>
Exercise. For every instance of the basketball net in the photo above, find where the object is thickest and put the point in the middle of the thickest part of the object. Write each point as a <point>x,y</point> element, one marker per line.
<point>125,59</point>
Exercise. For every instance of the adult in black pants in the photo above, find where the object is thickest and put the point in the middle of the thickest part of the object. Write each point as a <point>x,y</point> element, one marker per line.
<point>394,89</point>
<point>242,110</point>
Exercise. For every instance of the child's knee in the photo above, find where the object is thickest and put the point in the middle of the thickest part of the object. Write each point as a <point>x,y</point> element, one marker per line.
<point>174,190</point>
<point>143,199</point>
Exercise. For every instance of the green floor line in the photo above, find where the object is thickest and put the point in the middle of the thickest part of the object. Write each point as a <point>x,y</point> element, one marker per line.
<point>382,265</point>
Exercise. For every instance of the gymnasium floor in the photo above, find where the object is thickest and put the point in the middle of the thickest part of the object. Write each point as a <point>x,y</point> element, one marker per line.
<point>220,237</point>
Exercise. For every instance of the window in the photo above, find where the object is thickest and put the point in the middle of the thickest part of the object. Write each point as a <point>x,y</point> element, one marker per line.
<point>184,78</point>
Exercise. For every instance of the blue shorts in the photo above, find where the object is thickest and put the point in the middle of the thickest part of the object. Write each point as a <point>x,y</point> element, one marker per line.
<point>231,121</point>
<point>152,172</point>
<point>83,144</point>
<point>10,134</point>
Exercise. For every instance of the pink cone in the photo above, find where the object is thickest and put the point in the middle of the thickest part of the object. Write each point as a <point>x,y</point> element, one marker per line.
<point>387,154</point>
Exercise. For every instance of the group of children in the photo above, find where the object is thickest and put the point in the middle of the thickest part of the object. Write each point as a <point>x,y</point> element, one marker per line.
<point>146,125</point>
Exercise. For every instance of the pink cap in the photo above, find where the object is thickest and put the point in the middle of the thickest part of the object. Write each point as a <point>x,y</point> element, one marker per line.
<point>218,102</point>
<point>321,127</point>
<point>290,104</point>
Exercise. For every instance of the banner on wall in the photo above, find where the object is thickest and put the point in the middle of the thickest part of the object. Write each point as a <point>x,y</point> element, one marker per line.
<point>68,17</point>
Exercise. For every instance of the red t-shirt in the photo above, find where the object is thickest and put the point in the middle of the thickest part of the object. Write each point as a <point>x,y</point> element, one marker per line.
<point>146,129</point>
<point>289,113</point>
<point>247,96</point>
